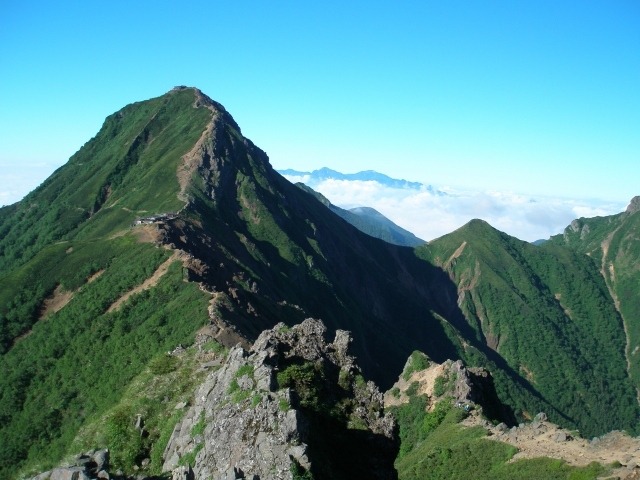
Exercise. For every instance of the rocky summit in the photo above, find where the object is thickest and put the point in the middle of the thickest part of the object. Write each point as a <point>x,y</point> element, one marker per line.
<point>293,403</point>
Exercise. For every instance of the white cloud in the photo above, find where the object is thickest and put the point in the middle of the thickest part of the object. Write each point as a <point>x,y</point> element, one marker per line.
<point>429,216</point>
<point>16,180</point>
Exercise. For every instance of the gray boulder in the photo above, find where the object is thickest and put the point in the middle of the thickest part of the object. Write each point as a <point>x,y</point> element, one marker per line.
<point>540,417</point>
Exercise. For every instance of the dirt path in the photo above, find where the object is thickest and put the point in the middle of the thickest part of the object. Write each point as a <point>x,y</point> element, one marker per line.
<point>152,281</point>
<point>95,276</point>
<point>52,304</point>
<point>192,159</point>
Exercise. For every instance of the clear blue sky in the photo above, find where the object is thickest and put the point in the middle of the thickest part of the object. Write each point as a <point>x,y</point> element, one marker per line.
<point>539,97</point>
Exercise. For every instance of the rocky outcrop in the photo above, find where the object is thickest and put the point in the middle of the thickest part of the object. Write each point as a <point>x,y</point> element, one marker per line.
<point>466,387</point>
<point>86,466</point>
<point>634,205</point>
<point>291,404</point>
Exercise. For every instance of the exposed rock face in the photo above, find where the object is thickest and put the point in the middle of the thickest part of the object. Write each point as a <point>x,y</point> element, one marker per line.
<point>634,205</point>
<point>293,403</point>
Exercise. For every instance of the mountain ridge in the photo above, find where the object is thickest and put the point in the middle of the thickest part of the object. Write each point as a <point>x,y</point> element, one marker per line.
<point>258,250</point>
<point>369,221</point>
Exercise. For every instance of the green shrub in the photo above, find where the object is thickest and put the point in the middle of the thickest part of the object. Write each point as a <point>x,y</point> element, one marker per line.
<point>298,472</point>
<point>440,386</point>
<point>198,428</point>
<point>125,442</point>
<point>283,404</point>
<point>344,379</point>
<point>215,347</point>
<point>237,395</point>
<point>240,396</point>
<point>157,450</point>
<point>395,392</point>
<point>244,370</point>
<point>413,389</point>
<point>163,365</point>
<point>190,458</point>
<point>418,363</point>
<point>360,381</point>
<point>305,380</point>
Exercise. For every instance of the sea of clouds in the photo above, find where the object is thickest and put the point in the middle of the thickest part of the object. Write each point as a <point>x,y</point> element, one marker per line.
<point>430,215</point>
<point>19,178</point>
<point>427,214</point>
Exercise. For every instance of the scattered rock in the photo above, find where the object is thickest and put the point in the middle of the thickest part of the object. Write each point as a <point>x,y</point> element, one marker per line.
<point>540,417</point>
<point>180,405</point>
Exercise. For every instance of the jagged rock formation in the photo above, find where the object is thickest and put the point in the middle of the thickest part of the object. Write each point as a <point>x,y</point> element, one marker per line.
<point>472,386</point>
<point>292,403</point>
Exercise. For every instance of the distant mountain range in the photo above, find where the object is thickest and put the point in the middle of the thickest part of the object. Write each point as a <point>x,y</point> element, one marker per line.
<point>369,221</point>
<point>323,174</point>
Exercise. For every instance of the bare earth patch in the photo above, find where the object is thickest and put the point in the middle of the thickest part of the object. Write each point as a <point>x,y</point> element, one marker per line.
<point>54,302</point>
<point>545,439</point>
<point>147,234</point>
<point>455,254</point>
<point>426,378</point>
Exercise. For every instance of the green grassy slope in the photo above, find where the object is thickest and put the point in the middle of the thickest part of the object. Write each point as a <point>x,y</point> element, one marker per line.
<point>78,361</point>
<point>547,312</point>
<point>613,244</point>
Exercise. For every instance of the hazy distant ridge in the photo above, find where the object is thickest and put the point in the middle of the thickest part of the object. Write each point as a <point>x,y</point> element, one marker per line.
<point>324,174</point>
